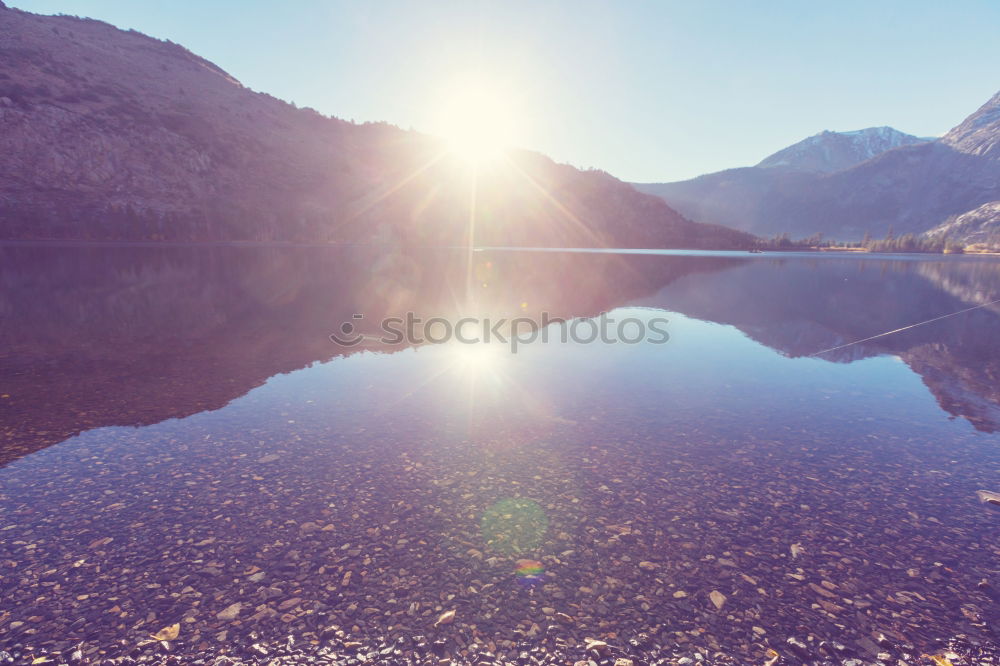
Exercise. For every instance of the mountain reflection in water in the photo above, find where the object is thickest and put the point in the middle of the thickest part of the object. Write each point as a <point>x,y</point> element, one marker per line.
<point>132,336</point>
<point>310,484</point>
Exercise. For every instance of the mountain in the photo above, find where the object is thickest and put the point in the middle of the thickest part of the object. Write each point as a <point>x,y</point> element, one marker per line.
<point>832,151</point>
<point>736,197</point>
<point>980,225</point>
<point>113,135</point>
<point>910,188</point>
<point>733,197</point>
<point>979,134</point>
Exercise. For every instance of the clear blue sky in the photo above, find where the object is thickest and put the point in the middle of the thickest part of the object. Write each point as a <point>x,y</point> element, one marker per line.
<point>649,91</point>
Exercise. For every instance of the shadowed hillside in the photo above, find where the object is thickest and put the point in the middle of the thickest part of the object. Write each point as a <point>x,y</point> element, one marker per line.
<point>112,135</point>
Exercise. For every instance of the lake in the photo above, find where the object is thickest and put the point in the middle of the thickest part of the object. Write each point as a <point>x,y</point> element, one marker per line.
<point>183,442</point>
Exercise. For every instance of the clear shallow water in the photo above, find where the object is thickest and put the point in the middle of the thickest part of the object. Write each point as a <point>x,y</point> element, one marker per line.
<point>182,436</point>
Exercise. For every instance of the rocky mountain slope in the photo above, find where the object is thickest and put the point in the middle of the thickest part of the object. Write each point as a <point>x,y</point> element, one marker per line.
<point>107,134</point>
<point>979,134</point>
<point>907,189</point>
<point>980,225</point>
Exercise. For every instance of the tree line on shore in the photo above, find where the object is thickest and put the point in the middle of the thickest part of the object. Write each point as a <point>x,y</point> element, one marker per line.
<point>891,243</point>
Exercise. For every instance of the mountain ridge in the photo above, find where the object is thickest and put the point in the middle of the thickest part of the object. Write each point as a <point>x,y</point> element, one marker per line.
<point>829,151</point>
<point>113,135</point>
<point>906,189</point>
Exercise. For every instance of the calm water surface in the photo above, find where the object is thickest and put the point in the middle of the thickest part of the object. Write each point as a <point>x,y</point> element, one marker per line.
<point>182,442</point>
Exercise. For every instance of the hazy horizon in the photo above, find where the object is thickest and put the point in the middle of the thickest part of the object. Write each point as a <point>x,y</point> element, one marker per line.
<point>657,92</point>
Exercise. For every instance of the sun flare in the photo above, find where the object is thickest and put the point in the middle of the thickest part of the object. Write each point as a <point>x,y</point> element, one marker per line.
<point>478,123</point>
<point>476,359</point>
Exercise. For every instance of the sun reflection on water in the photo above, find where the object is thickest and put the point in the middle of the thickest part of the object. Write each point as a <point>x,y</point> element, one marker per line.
<point>478,359</point>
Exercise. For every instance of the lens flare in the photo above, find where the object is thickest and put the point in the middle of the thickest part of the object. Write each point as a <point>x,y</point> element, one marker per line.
<point>514,525</point>
<point>529,572</point>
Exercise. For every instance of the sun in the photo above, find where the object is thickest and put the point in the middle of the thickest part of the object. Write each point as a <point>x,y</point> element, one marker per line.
<point>476,359</point>
<point>477,122</point>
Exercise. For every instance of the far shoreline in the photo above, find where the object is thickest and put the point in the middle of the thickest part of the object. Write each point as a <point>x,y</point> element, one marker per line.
<point>852,251</point>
